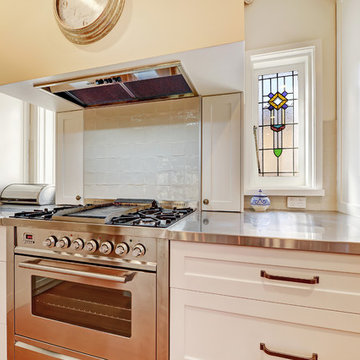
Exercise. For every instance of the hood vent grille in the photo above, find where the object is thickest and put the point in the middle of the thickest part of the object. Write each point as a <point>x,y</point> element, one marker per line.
<point>141,84</point>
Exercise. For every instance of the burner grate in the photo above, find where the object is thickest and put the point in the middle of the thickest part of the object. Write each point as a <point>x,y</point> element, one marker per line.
<point>153,217</point>
<point>44,214</point>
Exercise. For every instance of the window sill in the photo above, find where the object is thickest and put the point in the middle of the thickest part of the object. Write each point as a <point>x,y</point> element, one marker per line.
<point>288,192</point>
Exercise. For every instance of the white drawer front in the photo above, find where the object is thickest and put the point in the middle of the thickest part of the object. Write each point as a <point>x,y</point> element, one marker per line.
<point>2,243</point>
<point>207,268</point>
<point>213,327</point>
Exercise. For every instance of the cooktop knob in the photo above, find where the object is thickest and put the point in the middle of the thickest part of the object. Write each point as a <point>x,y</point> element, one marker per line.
<point>64,243</point>
<point>122,249</point>
<point>106,248</point>
<point>78,244</point>
<point>139,250</point>
<point>50,241</point>
<point>91,246</point>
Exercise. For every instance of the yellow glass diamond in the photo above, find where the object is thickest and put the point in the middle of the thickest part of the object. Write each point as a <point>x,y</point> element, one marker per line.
<point>278,101</point>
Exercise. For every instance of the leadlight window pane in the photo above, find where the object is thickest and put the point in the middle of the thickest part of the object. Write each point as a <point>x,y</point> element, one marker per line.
<point>278,128</point>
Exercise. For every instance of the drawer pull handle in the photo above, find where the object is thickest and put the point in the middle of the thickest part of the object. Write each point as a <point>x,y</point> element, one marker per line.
<point>285,356</point>
<point>314,280</point>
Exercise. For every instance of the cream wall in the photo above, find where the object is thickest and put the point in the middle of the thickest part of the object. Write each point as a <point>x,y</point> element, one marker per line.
<point>11,141</point>
<point>278,22</point>
<point>32,45</point>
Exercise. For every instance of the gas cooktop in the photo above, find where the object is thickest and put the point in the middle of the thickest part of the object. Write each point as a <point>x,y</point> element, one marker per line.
<point>125,212</point>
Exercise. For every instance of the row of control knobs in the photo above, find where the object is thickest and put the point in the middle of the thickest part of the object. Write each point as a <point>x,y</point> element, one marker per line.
<point>91,246</point>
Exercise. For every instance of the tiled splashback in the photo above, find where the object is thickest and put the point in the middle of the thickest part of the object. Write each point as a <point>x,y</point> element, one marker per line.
<point>148,150</point>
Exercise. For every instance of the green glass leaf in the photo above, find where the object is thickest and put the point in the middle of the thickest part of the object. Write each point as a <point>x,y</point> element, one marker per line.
<point>278,152</point>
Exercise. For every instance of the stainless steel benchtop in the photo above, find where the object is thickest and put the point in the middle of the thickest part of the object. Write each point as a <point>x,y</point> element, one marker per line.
<point>309,231</point>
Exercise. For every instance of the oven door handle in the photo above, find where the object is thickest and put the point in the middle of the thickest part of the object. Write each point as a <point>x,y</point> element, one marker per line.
<point>36,265</point>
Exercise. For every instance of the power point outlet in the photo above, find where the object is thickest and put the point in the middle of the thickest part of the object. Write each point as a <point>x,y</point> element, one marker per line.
<point>296,202</point>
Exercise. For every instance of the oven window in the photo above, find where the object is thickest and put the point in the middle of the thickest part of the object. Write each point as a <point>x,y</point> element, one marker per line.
<point>93,307</point>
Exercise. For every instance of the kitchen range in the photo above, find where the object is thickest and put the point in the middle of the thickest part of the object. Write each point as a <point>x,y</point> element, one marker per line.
<point>87,288</point>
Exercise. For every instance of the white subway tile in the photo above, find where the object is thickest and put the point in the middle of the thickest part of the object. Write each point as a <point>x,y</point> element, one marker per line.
<point>143,150</point>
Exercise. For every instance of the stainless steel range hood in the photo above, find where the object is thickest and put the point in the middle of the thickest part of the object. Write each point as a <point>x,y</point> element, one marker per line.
<point>162,81</point>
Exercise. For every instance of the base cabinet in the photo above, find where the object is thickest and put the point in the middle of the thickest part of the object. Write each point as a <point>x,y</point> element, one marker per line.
<point>212,327</point>
<point>222,308</point>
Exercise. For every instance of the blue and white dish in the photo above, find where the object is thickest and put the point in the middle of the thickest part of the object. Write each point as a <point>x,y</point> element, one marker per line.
<point>260,201</point>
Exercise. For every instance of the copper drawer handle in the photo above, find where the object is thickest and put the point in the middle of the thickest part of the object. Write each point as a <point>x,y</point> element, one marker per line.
<point>285,356</point>
<point>314,280</point>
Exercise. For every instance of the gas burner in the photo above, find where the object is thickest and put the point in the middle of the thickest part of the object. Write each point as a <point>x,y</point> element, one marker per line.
<point>148,221</point>
<point>44,214</point>
<point>152,217</point>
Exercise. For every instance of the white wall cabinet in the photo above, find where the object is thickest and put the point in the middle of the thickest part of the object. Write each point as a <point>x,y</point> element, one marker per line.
<point>69,157</point>
<point>222,309</point>
<point>348,146</point>
<point>221,153</point>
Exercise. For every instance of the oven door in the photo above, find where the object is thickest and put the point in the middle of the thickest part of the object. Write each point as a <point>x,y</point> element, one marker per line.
<point>101,311</point>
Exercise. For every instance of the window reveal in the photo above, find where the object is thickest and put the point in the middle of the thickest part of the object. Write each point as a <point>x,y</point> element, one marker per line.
<point>277,136</point>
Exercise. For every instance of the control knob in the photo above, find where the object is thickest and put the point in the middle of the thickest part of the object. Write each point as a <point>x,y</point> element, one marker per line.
<point>64,243</point>
<point>139,250</point>
<point>122,249</point>
<point>91,246</point>
<point>106,248</point>
<point>50,241</point>
<point>78,244</point>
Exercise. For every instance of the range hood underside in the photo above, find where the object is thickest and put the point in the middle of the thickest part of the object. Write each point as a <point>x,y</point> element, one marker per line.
<point>142,84</point>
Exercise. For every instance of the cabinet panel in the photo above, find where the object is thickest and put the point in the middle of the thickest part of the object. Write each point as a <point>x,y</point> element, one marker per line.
<point>2,243</point>
<point>221,153</point>
<point>210,268</point>
<point>69,158</point>
<point>2,293</point>
<point>213,327</point>
<point>2,341</point>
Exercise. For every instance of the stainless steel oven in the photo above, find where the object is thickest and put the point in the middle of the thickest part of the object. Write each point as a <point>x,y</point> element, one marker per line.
<point>88,304</point>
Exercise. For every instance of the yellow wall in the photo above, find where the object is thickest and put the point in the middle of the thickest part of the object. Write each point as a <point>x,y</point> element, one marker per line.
<point>32,45</point>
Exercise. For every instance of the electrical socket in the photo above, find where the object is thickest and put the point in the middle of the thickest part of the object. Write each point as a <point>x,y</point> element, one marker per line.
<point>296,202</point>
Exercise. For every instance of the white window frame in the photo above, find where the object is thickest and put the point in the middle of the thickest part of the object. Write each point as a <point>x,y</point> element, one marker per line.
<point>306,59</point>
<point>42,145</point>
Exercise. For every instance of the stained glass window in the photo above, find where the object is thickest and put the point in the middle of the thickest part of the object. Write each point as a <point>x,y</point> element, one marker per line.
<point>278,126</point>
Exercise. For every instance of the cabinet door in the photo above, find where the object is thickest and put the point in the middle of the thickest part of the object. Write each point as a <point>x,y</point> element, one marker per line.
<point>2,243</point>
<point>69,158</point>
<point>221,182</point>
<point>212,327</point>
